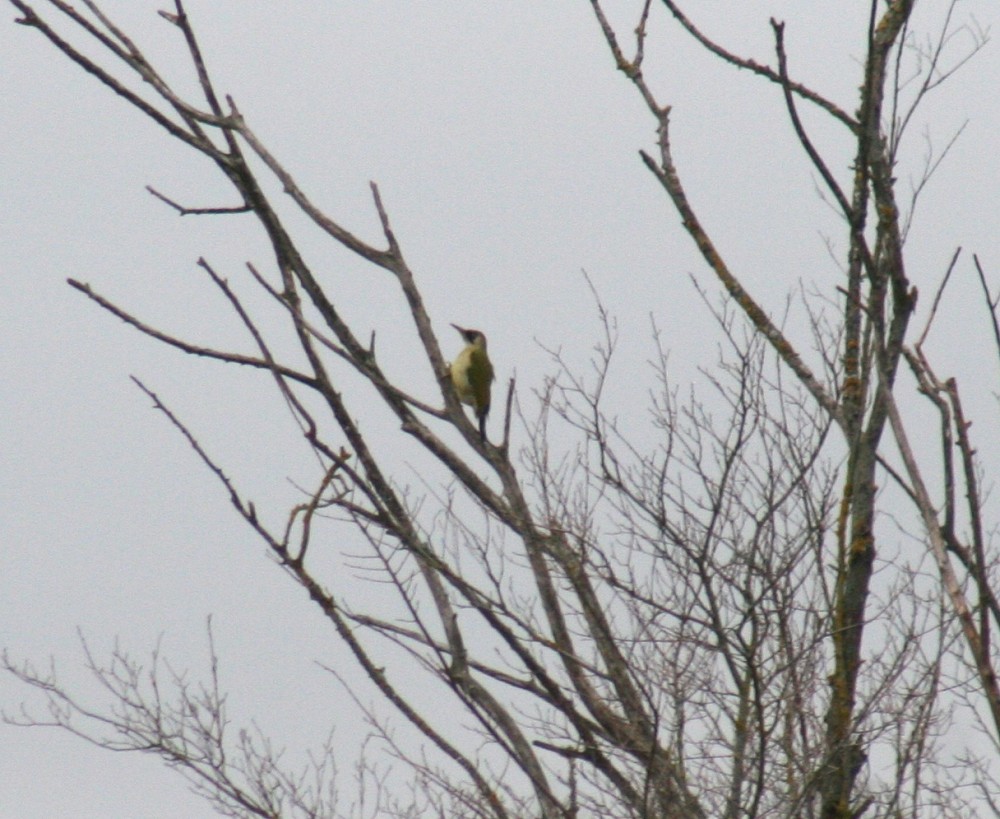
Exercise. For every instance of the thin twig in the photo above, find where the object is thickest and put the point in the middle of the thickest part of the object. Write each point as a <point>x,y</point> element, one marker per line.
<point>991,302</point>
<point>937,298</point>
<point>185,211</point>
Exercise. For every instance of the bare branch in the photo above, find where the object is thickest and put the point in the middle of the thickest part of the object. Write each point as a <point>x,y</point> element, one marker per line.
<point>206,352</point>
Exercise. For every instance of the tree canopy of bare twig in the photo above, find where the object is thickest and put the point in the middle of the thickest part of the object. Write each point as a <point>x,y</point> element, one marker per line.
<point>708,620</point>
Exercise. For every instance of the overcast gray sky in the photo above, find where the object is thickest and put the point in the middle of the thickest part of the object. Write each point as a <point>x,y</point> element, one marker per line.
<point>505,146</point>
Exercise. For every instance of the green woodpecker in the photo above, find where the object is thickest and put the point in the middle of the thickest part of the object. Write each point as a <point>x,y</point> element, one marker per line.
<point>471,374</point>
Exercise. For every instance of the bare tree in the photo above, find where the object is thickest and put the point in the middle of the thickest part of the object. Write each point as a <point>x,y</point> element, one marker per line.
<point>674,622</point>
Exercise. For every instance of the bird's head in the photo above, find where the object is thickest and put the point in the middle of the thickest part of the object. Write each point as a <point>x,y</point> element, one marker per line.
<point>471,336</point>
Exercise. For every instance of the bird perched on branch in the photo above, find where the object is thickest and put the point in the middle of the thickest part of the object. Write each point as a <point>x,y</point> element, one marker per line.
<point>472,374</point>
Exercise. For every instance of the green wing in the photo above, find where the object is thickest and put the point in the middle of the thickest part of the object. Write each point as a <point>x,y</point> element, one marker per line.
<point>480,374</point>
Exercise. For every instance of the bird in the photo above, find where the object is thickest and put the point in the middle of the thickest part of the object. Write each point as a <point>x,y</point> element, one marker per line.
<point>472,374</point>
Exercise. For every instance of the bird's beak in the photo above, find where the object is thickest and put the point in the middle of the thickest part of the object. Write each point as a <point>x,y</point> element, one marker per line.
<point>462,330</point>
